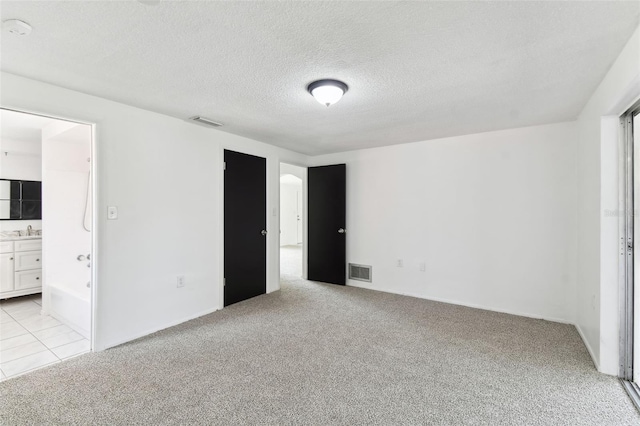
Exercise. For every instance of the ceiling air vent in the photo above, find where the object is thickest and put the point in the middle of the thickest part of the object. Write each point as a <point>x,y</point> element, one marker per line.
<point>360,272</point>
<point>205,121</point>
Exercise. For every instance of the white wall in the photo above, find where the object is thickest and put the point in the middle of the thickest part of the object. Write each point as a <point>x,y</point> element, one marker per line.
<point>597,296</point>
<point>143,160</point>
<point>492,215</point>
<point>290,195</point>
<point>23,160</point>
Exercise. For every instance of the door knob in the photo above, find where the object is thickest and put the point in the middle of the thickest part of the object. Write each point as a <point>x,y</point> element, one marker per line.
<point>342,231</point>
<point>263,232</point>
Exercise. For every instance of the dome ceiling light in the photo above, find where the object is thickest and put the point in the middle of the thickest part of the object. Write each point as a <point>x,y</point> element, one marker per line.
<point>327,91</point>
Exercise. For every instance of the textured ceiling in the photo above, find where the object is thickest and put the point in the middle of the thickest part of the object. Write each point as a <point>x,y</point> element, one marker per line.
<point>416,70</point>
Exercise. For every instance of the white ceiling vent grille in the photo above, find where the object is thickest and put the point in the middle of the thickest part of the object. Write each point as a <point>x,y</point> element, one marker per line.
<point>205,121</point>
<point>360,272</point>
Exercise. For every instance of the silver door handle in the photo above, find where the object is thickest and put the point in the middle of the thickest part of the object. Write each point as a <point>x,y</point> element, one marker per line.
<point>342,231</point>
<point>263,232</point>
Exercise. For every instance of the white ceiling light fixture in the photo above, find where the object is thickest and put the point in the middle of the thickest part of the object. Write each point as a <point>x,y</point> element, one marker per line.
<point>327,91</point>
<point>17,27</point>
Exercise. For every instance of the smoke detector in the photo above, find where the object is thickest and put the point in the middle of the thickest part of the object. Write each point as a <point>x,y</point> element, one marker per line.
<point>17,27</point>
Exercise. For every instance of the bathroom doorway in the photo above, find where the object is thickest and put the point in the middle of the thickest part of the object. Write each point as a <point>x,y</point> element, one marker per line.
<point>292,221</point>
<point>46,223</point>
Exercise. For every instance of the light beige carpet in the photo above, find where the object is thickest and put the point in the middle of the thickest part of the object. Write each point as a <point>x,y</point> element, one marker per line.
<point>321,354</point>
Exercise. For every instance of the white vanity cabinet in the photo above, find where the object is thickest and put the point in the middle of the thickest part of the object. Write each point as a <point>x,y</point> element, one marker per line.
<point>20,268</point>
<point>6,271</point>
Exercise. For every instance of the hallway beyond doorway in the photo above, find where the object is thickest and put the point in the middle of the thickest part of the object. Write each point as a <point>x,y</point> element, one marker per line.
<point>291,260</point>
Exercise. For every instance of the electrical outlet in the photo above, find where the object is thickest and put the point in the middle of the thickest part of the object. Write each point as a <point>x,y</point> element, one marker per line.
<point>399,263</point>
<point>180,281</point>
<point>423,266</point>
<point>112,212</point>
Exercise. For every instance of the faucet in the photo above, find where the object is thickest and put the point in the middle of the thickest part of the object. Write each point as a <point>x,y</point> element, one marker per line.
<point>29,230</point>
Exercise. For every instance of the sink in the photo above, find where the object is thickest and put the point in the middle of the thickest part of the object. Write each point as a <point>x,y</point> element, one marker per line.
<point>20,235</point>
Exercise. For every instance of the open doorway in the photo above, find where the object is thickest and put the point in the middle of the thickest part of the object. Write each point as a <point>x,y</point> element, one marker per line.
<point>46,239</point>
<point>292,220</point>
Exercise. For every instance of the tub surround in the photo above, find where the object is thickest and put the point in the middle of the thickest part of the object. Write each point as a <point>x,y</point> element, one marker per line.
<point>21,274</point>
<point>70,307</point>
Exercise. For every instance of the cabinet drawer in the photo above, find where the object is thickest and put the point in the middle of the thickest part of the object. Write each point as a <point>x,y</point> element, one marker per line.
<point>28,245</point>
<point>28,260</point>
<point>6,246</point>
<point>28,279</point>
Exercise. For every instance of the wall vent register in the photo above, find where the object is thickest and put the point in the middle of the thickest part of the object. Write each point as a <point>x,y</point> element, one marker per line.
<point>205,121</point>
<point>360,272</point>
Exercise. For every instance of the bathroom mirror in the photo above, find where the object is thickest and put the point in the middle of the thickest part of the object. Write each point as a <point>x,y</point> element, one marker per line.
<point>20,199</point>
<point>5,189</point>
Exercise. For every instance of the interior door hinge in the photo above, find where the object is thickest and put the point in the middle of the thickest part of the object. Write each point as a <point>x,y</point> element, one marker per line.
<point>224,165</point>
<point>224,282</point>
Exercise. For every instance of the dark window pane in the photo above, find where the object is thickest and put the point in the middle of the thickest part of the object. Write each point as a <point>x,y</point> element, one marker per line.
<point>31,191</point>
<point>31,209</point>
<point>15,209</point>
<point>15,190</point>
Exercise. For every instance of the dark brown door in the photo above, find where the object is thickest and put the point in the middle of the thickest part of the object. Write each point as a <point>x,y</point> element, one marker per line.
<point>245,224</point>
<point>327,224</point>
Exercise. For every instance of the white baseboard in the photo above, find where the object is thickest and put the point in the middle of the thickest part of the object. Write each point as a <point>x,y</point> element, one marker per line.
<point>589,349</point>
<point>468,305</point>
<point>99,348</point>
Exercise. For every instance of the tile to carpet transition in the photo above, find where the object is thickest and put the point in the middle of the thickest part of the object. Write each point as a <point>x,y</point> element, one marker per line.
<point>29,362</point>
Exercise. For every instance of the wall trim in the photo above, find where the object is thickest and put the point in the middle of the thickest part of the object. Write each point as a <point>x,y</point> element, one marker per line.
<point>155,330</point>
<point>468,305</point>
<point>589,349</point>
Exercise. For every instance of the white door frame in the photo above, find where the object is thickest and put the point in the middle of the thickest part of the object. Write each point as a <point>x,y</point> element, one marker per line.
<point>93,167</point>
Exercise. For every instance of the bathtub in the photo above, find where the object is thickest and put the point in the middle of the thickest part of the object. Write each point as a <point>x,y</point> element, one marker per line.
<point>71,307</point>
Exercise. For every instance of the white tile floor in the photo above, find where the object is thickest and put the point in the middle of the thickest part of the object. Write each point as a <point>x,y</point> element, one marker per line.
<point>30,340</point>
